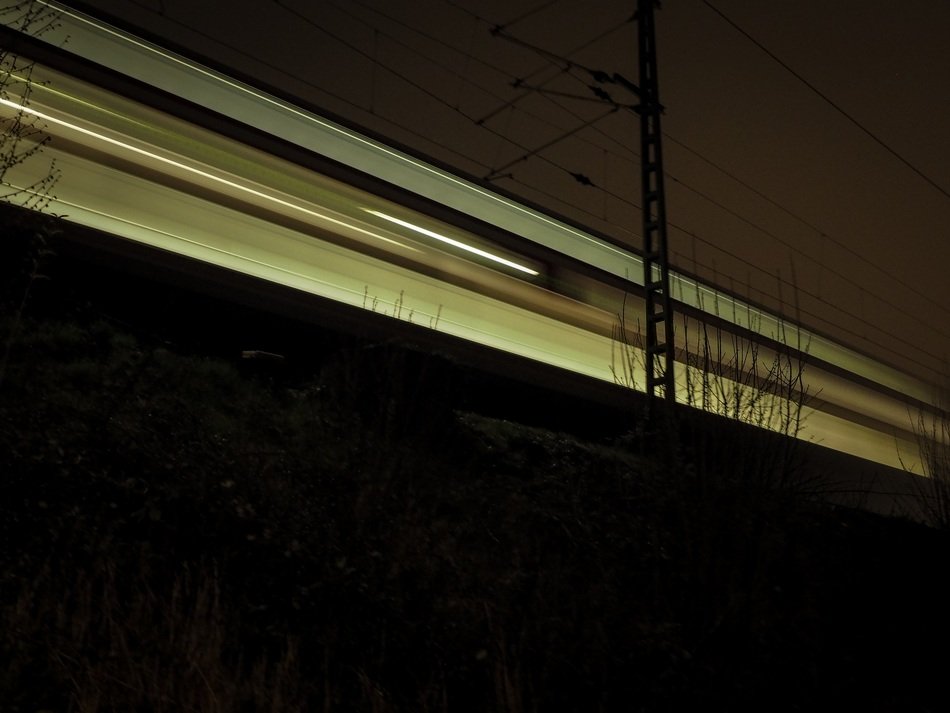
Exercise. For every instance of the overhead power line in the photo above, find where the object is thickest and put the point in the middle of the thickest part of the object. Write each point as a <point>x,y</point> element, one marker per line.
<point>504,71</point>
<point>886,272</point>
<point>280,69</point>
<point>548,144</point>
<point>597,75</point>
<point>563,65</point>
<point>567,132</point>
<point>808,224</point>
<point>494,172</point>
<point>616,78</point>
<point>600,75</point>
<point>837,107</point>
<point>792,284</point>
<point>531,13</point>
<point>752,267</point>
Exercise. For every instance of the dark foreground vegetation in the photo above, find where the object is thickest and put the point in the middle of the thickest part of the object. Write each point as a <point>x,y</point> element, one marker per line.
<point>182,532</point>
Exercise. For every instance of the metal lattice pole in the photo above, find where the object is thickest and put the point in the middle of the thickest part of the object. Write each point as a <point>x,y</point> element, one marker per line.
<point>656,276</point>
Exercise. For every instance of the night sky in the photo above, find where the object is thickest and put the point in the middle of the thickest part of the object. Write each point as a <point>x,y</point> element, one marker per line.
<point>824,167</point>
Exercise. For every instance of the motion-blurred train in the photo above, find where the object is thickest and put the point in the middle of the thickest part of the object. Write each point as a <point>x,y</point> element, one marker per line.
<point>168,153</point>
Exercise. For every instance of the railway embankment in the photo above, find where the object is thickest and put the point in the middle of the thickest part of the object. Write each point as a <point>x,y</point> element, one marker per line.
<point>336,523</point>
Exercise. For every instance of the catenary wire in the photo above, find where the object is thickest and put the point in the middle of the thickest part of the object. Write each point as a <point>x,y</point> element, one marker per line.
<point>808,224</point>
<point>566,132</point>
<point>256,58</point>
<point>862,337</point>
<point>928,324</point>
<point>790,284</point>
<point>503,71</point>
<point>837,107</point>
<point>558,60</point>
<point>584,45</point>
<point>276,68</point>
<point>531,13</point>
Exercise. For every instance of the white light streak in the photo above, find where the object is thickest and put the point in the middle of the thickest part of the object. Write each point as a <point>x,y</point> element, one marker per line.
<point>452,241</point>
<point>201,173</point>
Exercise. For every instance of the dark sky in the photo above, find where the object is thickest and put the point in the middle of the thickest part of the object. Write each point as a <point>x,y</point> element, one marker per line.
<point>769,183</point>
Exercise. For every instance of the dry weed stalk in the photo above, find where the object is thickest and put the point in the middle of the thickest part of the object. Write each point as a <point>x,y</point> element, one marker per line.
<point>932,437</point>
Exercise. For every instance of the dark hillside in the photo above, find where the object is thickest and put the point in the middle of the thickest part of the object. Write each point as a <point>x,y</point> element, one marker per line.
<point>347,529</point>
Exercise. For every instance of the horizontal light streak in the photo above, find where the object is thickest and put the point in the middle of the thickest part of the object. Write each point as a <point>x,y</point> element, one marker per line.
<point>200,173</point>
<point>452,241</point>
